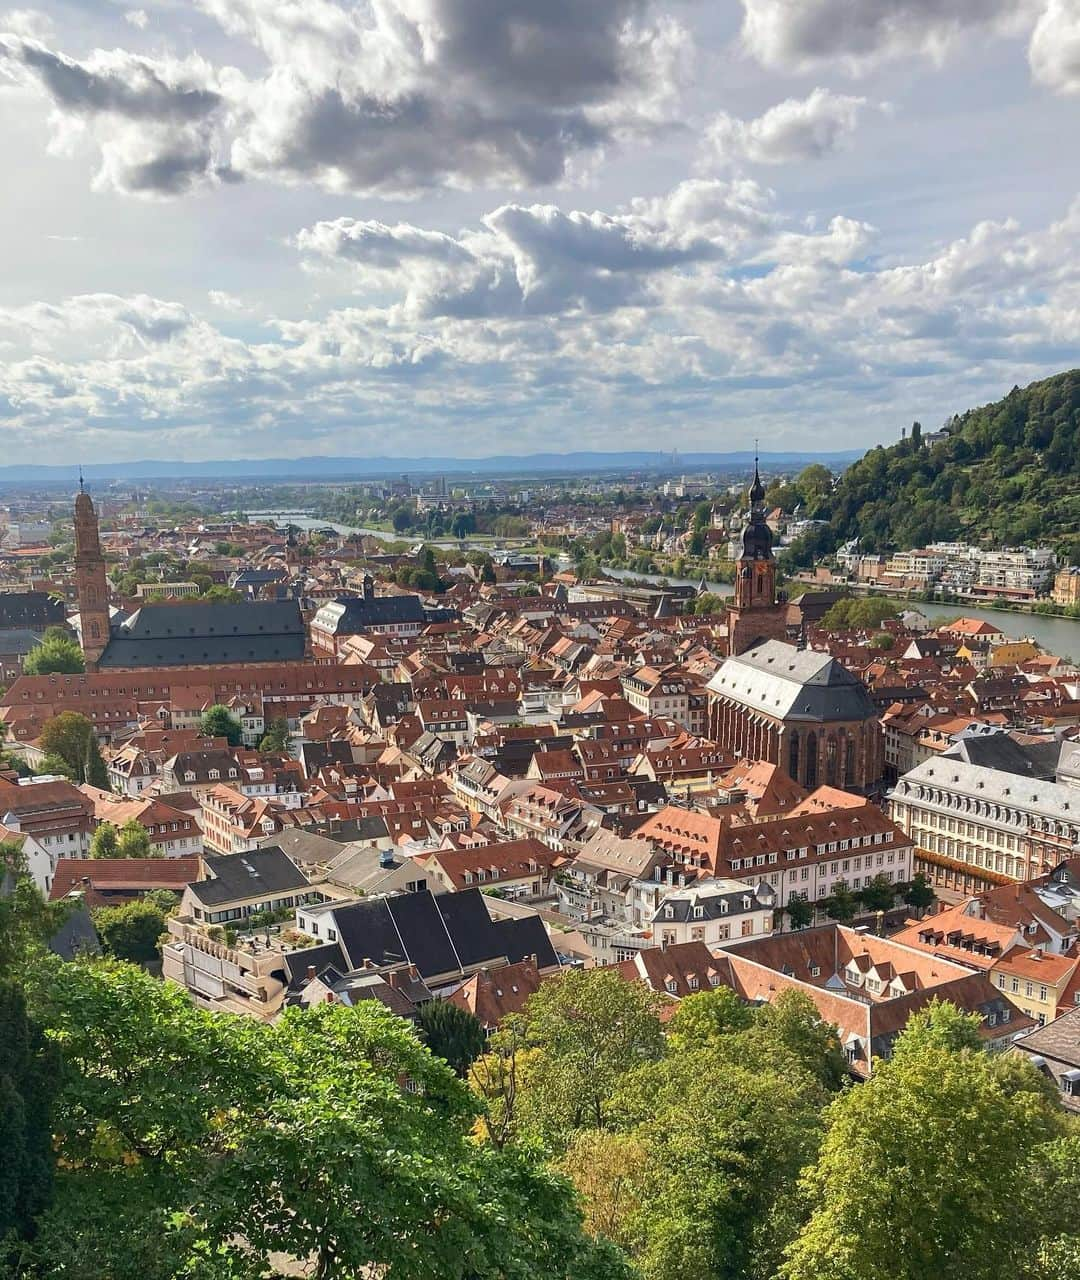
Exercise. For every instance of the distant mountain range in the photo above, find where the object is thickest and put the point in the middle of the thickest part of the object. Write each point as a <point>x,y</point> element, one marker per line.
<point>284,469</point>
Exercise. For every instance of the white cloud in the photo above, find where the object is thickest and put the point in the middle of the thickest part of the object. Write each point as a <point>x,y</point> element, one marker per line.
<point>529,260</point>
<point>155,120</point>
<point>391,97</point>
<point>137,18</point>
<point>800,35</point>
<point>795,130</point>
<point>404,95</point>
<point>1054,52</point>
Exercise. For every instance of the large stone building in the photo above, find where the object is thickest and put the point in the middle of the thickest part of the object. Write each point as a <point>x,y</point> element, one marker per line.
<point>800,710</point>
<point>174,635</point>
<point>976,827</point>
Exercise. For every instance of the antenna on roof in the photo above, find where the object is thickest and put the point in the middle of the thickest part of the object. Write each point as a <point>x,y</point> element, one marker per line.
<point>81,487</point>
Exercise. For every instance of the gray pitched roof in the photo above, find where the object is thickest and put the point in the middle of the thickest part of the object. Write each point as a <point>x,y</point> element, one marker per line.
<point>793,684</point>
<point>237,876</point>
<point>174,635</point>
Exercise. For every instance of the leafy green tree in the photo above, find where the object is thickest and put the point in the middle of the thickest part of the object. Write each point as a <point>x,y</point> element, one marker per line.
<point>133,841</point>
<point>956,1200</point>
<point>104,842</point>
<point>841,904</point>
<point>859,614</point>
<point>218,722</point>
<point>219,594</point>
<point>452,1033</point>
<point>28,1070</point>
<point>52,764</point>
<point>883,641</point>
<point>131,932</point>
<point>878,895</point>
<point>707,1016</point>
<point>919,894</point>
<point>726,1129</point>
<point>57,653</point>
<point>164,899</point>
<point>27,921</point>
<point>582,1032</point>
<point>800,911</point>
<point>276,737</point>
<point>194,1145</point>
<point>791,1029</point>
<point>71,737</point>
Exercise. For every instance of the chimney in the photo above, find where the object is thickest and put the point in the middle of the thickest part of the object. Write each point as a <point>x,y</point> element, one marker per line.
<point>1037,954</point>
<point>311,973</point>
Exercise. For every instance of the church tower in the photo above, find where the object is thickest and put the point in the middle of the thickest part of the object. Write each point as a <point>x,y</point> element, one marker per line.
<point>755,570</point>
<point>758,612</point>
<point>93,589</point>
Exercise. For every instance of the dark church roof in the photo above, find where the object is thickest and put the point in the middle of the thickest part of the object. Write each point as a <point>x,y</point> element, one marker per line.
<point>29,609</point>
<point>178,635</point>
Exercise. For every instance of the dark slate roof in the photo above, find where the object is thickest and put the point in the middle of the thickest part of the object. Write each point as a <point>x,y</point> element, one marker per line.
<point>76,936</point>
<point>349,614</point>
<point>320,959</point>
<point>19,640</point>
<point>527,937</point>
<point>235,876</point>
<point>29,609</point>
<point>1002,752</point>
<point>315,755</point>
<point>437,933</point>
<point>175,635</point>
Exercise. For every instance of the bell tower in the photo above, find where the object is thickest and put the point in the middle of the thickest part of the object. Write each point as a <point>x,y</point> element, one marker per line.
<point>755,570</point>
<point>758,611</point>
<point>90,581</point>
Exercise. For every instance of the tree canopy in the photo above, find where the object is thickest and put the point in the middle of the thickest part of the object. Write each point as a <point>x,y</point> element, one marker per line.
<point>190,1144</point>
<point>218,722</point>
<point>57,653</point>
<point>70,737</point>
<point>1006,473</point>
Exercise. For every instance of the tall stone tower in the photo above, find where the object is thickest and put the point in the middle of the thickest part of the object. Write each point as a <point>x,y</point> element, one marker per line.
<point>758,612</point>
<point>93,589</point>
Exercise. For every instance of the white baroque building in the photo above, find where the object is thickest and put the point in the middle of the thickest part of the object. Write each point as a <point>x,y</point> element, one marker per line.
<point>974,827</point>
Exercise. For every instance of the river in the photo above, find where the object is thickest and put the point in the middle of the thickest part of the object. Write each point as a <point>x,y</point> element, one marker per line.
<point>1055,635</point>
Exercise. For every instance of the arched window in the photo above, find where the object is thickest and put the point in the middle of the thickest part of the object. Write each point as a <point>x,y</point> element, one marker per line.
<point>793,756</point>
<point>94,631</point>
<point>849,763</point>
<point>760,583</point>
<point>91,594</point>
<point>811,760</point>
<point>831,755</point>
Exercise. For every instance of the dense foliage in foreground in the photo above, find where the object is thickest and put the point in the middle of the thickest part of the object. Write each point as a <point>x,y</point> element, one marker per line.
<point>145,1139</point>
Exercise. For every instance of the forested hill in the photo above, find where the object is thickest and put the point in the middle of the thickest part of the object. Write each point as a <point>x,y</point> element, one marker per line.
<point>1009,473</point>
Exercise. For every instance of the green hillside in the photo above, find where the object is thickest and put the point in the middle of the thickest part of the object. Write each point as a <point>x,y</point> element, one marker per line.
<point>1008,474</point>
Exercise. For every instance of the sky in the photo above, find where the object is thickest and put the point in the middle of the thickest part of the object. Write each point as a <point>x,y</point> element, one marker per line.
<point>274,228</point>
